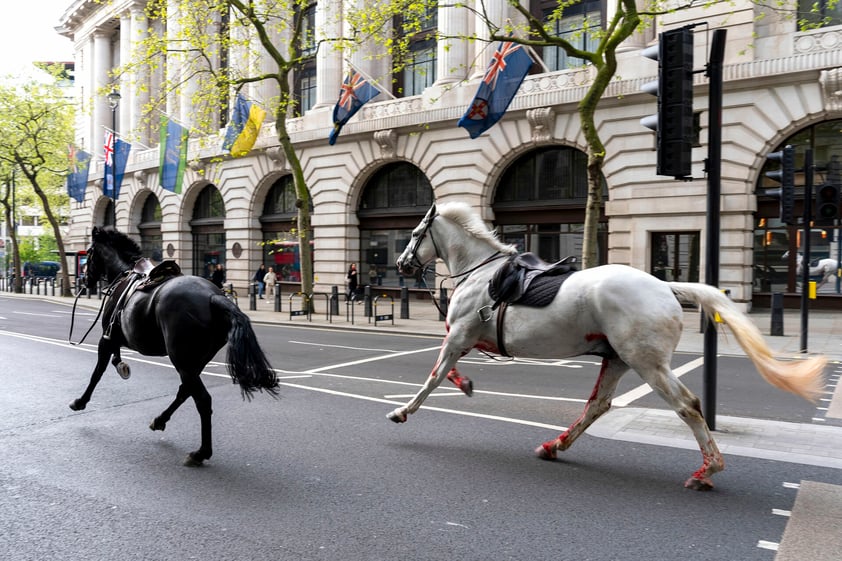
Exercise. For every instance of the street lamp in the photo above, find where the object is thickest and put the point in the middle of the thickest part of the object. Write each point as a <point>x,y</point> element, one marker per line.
<point>113,102</point>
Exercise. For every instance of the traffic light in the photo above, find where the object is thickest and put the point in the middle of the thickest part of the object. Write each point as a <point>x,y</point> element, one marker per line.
<point>827,204</point>
<point>674,121</point>
<point>786,177</point>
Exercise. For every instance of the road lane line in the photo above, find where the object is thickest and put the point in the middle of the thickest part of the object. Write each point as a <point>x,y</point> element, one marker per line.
<point>342,347</point>
<point>428,408</point>
<point>372,359</point>
<point>645,389</point>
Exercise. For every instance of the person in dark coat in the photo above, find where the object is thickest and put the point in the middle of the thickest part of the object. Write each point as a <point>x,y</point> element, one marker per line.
<point>258,278</point>
<point>218,276</point>
<point>353,282</point>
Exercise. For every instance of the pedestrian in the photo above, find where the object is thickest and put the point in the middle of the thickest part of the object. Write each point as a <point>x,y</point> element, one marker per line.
<point>269,280</point>
<point>258,278</point>
<point>218,276</point>
<point>352,282</point>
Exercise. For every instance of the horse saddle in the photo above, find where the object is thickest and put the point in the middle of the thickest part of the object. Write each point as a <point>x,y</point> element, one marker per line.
<point>528,280</point>
<point>153,275</point>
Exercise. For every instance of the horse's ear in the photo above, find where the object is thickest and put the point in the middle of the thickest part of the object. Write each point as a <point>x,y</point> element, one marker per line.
<point>432,212</point>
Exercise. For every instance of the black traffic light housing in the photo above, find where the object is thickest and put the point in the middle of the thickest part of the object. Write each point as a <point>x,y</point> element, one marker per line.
<point>674,121</point>
<point>786,177</point>
<point>827,195</point>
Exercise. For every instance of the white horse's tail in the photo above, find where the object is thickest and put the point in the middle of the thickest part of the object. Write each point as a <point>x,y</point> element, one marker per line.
<point>802,377</point>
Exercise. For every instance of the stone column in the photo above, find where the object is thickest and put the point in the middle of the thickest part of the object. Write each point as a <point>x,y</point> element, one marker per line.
<point>101,82</point>
<point>328,59</point>
<point>141,84</point>
<point>125,85</point>
<point>495,11</point>
<point>452,53</point>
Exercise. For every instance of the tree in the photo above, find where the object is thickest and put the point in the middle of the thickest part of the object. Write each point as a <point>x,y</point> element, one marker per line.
<point>37,124</point>
<point>221,47</point>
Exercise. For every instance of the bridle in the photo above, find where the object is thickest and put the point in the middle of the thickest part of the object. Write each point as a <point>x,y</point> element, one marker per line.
<point>415,262</point>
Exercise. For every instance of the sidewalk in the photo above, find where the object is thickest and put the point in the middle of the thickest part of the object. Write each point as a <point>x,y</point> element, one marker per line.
<point>808,443</point>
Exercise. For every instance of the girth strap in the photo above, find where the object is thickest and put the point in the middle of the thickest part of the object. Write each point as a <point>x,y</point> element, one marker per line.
<point>501,312</point>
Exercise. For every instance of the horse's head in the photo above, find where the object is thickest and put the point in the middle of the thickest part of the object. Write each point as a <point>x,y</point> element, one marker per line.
<point>111,253</point>
<point>421,248</point>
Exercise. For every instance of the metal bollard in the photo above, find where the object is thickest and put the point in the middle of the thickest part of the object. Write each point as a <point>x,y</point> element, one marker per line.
<point>252,296</point>
<point>777,314</point>
<point>443,304</point>
<point>404,302</point>
<point>334,300</point>
<point>367,301</point>
<point>277,297</point>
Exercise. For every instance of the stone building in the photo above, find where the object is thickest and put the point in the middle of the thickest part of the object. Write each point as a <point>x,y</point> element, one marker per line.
<point>526,175</point>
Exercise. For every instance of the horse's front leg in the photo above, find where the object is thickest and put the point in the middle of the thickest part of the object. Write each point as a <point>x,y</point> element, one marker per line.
<point>448,356</point>
<point>104,351</point>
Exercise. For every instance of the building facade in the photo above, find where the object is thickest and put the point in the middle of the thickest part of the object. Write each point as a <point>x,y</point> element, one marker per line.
<point>526,175</point>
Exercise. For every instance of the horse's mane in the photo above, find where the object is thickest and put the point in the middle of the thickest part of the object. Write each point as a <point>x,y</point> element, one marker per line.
<point>462,214</point>
<point>126,247</point>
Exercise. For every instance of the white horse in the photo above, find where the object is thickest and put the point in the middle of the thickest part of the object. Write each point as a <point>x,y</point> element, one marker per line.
<point>628,317</point>
<point>823,271</point>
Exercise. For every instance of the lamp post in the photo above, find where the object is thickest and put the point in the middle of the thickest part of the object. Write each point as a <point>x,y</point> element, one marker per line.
<point>113,102</point>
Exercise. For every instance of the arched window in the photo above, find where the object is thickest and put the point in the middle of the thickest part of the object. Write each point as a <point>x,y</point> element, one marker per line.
<point>539,203</point>
<point>773,238</point>
<point>208,232</point>
<point>278,222</point>
<point>151,241</point>
<point>393,201</point>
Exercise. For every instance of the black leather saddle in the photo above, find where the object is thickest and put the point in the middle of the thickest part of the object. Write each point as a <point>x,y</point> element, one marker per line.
<point>528,280</point>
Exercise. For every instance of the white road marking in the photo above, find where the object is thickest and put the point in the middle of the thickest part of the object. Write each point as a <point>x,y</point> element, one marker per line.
<point>371,359</point>
<point>645,389</point>
<point>763,544</point>
<point>342,347</point>
<point>781,512</point>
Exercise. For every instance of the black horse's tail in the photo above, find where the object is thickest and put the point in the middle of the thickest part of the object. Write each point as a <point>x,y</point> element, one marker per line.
<point>247,364</point>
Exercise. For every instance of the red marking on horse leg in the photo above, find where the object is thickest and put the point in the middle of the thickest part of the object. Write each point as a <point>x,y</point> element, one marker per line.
<point>591,337</point>
<point>487,346</point>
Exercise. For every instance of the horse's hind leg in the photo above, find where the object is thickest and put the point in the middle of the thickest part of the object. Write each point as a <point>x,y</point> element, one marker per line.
<point>104,352</point>
<point>202,399</point>
<point>688,407</point>
<point>598,403</point>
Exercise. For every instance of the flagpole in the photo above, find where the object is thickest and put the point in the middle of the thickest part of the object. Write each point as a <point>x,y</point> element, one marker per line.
<point>370,79</point>
<point>179,123</point>
<point>538,59</point>
<point>122,137</point>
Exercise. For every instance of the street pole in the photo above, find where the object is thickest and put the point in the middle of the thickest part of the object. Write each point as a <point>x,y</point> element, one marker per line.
<point>114,102</point>
<point>714,170</point>
<point>805,256</point>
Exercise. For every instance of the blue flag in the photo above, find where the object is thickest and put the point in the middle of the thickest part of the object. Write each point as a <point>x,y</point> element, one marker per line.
<point>116,158</point>
<point>77,179</point>
<point>173,145</point>
<point>506,71</point>
<point>355,92</point>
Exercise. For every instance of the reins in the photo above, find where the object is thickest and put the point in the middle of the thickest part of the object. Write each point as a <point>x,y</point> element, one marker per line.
<point>82,290</point>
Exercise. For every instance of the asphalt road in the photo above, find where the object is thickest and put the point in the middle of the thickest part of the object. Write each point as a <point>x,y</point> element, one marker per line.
<point>322,474</point>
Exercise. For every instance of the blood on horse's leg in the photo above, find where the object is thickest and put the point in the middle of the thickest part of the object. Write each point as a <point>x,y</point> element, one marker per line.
<point>598,403</point>
<point>712,460</point>
<point>462,382</point>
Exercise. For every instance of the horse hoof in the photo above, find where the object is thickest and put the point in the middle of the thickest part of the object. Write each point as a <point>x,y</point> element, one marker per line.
<point>467,387</point>
<point>396,416</point>
<point>123,370</point>
<point>193,460</point>
<point>698,484</point>
<point>77,405</point>
<point>157,425</point>
<point>544,453</point>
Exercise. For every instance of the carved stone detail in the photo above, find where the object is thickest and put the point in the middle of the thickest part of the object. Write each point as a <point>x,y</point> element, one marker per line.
<point>277,155</point>
<point>388,142</point>
<point>831,82</point>
<point>541,120</point>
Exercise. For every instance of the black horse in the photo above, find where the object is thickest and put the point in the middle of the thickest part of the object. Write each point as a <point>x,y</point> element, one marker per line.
<point>185,317</point>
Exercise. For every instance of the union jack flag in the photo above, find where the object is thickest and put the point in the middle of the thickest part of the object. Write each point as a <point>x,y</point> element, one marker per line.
<point>109,148</point>
<point>506,71</point>
<point>355,92</point>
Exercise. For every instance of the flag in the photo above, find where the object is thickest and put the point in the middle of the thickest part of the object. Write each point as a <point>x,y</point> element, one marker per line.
<point>173,154</point>
<point>244,127</point>
<point>77,179</point>
<point>506,71</point>
<point>354,93</point>
<point>116,157</point>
